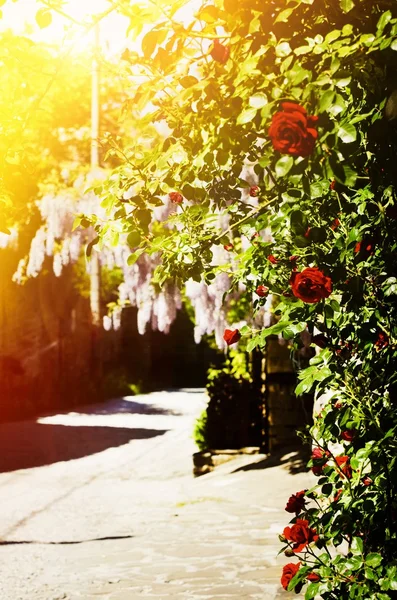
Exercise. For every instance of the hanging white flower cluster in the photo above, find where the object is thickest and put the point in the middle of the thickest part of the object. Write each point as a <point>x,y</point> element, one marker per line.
<point>157,308</point>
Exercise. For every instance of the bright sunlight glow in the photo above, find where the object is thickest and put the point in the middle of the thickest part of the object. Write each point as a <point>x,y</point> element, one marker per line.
<point>20,17</point>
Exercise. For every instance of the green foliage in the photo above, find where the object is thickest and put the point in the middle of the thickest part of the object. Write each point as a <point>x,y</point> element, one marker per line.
<point>200,431</point>
<point>233,416</point>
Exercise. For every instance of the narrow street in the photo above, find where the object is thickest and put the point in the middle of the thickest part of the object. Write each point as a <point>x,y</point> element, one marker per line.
<point>101,503</point>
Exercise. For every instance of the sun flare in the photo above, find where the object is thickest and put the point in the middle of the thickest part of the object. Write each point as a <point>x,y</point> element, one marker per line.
<point>68,25</point>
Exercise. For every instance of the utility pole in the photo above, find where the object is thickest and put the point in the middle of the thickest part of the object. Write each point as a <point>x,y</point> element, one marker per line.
<point>95,272</point>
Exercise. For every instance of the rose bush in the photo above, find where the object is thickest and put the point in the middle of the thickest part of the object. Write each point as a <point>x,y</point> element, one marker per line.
<point>299,100</point>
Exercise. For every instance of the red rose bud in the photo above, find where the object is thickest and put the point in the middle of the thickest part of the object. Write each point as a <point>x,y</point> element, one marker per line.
<point>311,285</point>
<point>272,259</point>
<point>338,405</point>
<point>228,247</point>
<point>307,232</point>
<point>300,534</point>
<point>254,191</point>
<point>176,197</point>
<point>343,463</point>
<point>319,453</point>
<point>367,480</point>
<point>319,457</point>
<point>337,495</point>
<point>262,291</point>
<point>289,572</point>
<point>332,185</point>
<point>382,341</point>
<point>320,340</point>
<point>313,577</point>
<point>317,470</point>
<point>296,502</point>
<point>293,258</point>
<point>365,248</point>
<point>293,131</point>
<point>348,435</point>
<point>287,294</point>
<point>335,224</point>
<point>231,336</point>
<point>219,52</point>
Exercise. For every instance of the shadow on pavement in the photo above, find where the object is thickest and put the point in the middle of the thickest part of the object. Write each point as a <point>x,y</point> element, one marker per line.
<point>293,458</point>
<point>124,406</point>
<point>28,444</point>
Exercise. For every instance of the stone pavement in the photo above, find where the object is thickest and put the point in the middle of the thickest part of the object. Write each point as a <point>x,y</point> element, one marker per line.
<point>101,504</point>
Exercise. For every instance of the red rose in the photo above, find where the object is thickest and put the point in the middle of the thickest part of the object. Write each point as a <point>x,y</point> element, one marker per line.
<point>272,259</point>
<point>382,340</point>
<point>367,480</point>
<point>311,285</point>
<point>289,571</point>
<point>319,456</point>
<point>292,131</point>
<point>300,534</point>
<point>231,336</point>
<point>313,577</point>
<point>348,435</point>
<point>219,52</point>
<point>335,224</point>
<point>254,191</point>
<point>176,197</point>
<point>296,502</point>
<point>343,463</point>
<point>262,291</point>
<point>228,247</point>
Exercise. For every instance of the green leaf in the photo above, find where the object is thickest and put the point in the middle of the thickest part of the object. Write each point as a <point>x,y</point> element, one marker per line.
<point>283,49</point>
<point>373,559</point>
<point>346,5</point>
<point>326,100</point>
<point>383,21</point>
<point>188,81</point>
<point>151,40</point>
<point>209,14</point>
<point>284,165</point>
<point>246,116</point>
<point>283,16</point>
<point>131,260</point>
<point>134,239</point>
<point>357,546</point>
<point>347,132</point>
<point>298,222</point>
<point>312,590</point>
<point>258,100</point>
<point>43,18</point>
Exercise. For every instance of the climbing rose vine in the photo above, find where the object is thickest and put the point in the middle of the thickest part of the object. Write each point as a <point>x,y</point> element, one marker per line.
<point>281,152</point>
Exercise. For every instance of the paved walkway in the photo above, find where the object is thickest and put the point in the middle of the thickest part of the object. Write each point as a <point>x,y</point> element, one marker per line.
<point>101,504</point>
